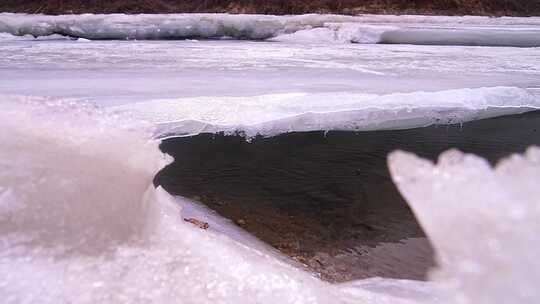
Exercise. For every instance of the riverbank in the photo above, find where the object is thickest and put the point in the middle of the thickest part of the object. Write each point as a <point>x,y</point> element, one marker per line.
<point>349,7</point>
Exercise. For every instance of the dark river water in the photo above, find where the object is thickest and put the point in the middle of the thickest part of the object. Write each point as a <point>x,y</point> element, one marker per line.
<point>327,199</point>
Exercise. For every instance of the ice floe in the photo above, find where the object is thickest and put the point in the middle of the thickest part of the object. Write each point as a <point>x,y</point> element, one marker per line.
<point>270,115</point>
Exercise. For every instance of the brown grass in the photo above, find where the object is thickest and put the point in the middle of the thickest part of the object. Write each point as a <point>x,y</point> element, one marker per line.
<point>452,7</point>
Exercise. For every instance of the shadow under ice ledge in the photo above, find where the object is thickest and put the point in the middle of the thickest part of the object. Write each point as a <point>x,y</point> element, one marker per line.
<point>327,200</point>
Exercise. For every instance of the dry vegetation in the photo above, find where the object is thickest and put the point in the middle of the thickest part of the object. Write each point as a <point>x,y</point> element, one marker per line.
<point>452,7</point>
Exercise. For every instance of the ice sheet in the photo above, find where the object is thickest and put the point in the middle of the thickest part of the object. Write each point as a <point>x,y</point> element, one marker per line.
<point>81,223</point>
<point>442,30</point>
<point>116,72</point>
<point>416,34</point>
<point>270,115</point>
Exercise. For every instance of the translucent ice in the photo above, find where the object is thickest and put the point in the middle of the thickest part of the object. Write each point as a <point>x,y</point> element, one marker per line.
<point>270,115</point>
<point>483,222</point>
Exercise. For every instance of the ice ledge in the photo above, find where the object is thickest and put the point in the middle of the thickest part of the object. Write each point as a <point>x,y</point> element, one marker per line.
<point>439,30</point>
<point>270,115</point>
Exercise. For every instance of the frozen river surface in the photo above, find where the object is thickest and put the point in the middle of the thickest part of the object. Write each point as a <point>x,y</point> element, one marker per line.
<point>80,220</point>
<point>115,72</point>
<point>191,86</point>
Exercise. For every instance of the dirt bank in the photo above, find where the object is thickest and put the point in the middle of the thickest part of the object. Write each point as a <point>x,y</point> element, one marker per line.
<point>446,7</point>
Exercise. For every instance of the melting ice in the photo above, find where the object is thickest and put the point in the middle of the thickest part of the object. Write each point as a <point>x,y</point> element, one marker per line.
<point>81,222</point>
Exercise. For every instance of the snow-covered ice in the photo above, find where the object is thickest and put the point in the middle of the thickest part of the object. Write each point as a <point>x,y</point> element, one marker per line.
<point>81,222</point>
<point>209,75</point>
<point>520,32</point>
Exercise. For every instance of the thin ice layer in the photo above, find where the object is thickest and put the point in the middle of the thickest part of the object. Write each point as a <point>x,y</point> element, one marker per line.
<point>270,115</point>
<point>521,32</point>
<point>483,222</point>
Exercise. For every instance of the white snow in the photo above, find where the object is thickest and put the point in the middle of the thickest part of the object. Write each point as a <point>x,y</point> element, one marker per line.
<point>440,30</point>
<point>270,115</point>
